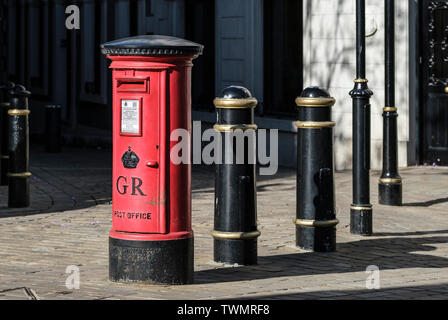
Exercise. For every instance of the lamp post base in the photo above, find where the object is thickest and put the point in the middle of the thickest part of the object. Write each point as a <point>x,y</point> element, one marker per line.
<point>361,220</point>
<point>390,194</point>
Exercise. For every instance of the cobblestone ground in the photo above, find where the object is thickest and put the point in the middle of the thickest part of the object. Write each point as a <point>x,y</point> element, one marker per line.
<point>70,217</point>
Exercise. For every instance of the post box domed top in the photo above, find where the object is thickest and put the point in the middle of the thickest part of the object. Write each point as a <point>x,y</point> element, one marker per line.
<point>149,45</point>
<point>315,97</point>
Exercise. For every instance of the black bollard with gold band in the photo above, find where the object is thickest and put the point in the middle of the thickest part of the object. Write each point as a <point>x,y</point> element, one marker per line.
<point>361,209</point>
<point>316,215</point>
<point>235,227</point>
<point>18,173</point>
<point>390,185</point>
<point>4,138</point>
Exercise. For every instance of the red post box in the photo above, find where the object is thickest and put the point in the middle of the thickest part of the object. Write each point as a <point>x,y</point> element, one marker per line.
<point>151,238</point>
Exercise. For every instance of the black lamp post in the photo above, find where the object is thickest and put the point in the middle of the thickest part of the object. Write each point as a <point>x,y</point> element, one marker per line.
<point>19,163</point>
<point>361,209</point>
<point>4,131</point>
<point>390,185</point>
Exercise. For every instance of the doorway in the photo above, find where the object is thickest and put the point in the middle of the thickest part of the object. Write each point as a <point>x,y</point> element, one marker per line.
<point>433,124</point>
<point>200,28</point>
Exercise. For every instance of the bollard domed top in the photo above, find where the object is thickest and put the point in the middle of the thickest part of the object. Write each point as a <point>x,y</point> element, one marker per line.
<point>235,97</point>
<point>236,92</point>
<point>8,85</point>
<point>315,92</point>
<point>149,45</point>
<point>315,97</point>
<point>19,90</point>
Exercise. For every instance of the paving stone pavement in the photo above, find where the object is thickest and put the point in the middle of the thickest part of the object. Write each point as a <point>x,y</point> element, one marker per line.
<point>70,217</point>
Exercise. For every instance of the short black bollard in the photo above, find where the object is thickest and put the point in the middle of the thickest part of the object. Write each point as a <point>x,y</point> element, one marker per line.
<point>18,173</point>
<point>4,138</point>
<point>53,128</point>
<point>316,215</point>
<point>235,229</point>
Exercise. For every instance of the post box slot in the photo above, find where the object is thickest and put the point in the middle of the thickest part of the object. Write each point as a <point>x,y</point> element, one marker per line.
<point>134,85</point>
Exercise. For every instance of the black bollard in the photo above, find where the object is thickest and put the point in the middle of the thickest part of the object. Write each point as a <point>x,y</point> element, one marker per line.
<point>235,229</point>
<point>390,184</point>
<point>361,209</point>
<point>18,173</point>
<point>4,138</point>
<point>53,128</point>
<point>316,213</point>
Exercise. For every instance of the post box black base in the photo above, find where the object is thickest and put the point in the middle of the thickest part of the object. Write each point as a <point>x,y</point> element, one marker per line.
<point>316,239</point>
<point>390,194</point>
<point>231,251</point>
<point>153,262</point>
<point>361,221</point>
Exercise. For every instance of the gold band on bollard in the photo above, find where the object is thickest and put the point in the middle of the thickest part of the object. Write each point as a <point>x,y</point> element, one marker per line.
<point>316,223</point>
<point>361,80</point>
<point>360,208</point>
<point>390,180</point>
<point>5,105</point>
<point>19,112</point>
<point>5,157</point>
<point>390,109</point>
<point>233,127</point>
<point>235,235</point>
<point>315,102</point>
<point>19,175</point>
<point>314,124</point>
<point>248,103</point>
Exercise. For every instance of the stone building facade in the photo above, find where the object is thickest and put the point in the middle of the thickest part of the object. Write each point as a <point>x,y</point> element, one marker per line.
<point>275,48</point>
<point>330,62</point>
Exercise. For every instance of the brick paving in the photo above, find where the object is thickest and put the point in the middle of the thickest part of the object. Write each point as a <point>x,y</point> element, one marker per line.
<point>70,217</point>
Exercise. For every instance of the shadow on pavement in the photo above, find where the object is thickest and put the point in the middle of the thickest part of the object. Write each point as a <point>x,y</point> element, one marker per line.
<point>409,292</point>
<point>76,178</point>
<point>426,203</point>
<point>387,254</point>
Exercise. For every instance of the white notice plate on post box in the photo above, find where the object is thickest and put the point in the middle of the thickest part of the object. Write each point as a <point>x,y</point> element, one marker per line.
<point>130,117</point>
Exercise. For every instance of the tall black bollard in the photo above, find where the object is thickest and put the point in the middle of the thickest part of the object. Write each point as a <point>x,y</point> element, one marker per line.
<point>18,173</point>
<point>390,184</point>
<point>361,209</point>
<point>316,215</point>
<point>235,229</point>
<point>53,128</point>
<point>4,138</point>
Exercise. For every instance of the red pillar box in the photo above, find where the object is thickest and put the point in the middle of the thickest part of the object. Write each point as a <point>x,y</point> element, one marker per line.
<point>151,238</point>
